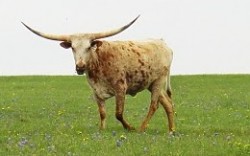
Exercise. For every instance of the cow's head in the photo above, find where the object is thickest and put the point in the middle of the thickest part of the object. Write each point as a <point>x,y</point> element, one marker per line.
<point>81,44</point>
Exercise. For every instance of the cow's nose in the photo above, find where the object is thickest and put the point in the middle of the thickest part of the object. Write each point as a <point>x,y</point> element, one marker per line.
<point>80,69</point>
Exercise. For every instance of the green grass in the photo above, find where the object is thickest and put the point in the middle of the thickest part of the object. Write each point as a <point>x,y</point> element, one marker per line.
<point>56,115</point>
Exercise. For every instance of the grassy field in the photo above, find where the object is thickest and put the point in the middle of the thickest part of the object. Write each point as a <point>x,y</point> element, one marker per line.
<point>56,115</point>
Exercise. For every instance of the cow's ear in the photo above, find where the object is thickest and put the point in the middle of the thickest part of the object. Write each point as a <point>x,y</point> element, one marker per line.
<point>96,43</point>
<point>65,44</point>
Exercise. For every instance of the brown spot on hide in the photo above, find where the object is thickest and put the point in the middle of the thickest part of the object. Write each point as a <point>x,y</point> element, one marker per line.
<point>105,73</point>
<point>110,79</point>
<point>141,62</point>
<point>131,44</point>
<point>143,73</point>
<point>93,73</point>
<point>129,77</point>
<point>93,76</point>
<point>136,52</point>
<point>120,81</point>
<point>106,56</point>
<point>123,47</point>
<point>165,68</point>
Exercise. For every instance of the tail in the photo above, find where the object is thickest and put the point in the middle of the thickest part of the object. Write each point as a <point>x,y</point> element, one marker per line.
<point>168,86</point>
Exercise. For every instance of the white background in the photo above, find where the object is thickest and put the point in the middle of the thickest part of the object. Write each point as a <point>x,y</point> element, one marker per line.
<point>207,36</point>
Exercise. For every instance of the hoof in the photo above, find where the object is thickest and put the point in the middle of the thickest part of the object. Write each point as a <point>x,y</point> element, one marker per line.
<point>142,130</point>
<point>101,128</point>
<point>173,134</point>
<point>130,128</point>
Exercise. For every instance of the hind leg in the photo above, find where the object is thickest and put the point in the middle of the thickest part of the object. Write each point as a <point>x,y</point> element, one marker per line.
<point>166,102</point>
<point>155,93</point>
<point>153,107</point>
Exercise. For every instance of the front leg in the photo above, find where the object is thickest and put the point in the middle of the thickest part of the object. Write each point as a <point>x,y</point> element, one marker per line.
<point>102,111</point>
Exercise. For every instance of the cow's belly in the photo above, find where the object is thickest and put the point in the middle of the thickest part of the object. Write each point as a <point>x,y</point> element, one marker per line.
<point>137,85</point>
<point>140,78</point>
<point>133,90</point>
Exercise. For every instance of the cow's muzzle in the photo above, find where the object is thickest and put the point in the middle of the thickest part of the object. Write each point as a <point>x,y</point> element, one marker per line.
<point>80,70</point>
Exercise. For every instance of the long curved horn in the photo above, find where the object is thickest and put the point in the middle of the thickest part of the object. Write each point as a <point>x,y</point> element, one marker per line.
<point>48,36</point>
<point>112,32</point>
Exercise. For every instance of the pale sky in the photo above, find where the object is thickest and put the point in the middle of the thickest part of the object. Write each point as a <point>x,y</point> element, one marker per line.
<point>207,36</point>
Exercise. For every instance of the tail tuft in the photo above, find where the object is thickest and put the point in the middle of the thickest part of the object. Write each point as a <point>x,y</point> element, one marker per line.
<point>169,92</point>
